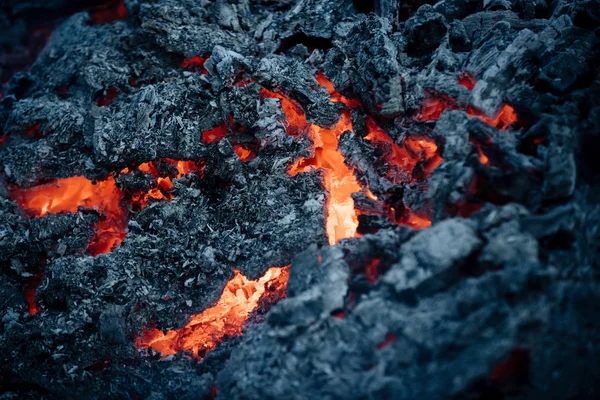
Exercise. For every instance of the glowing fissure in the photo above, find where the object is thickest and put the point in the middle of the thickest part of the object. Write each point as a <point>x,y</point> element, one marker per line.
<point>435,104</point>
<point>338,179</point>
<point>227,317</point>
<point>195,62</point>
<point>67,195</point>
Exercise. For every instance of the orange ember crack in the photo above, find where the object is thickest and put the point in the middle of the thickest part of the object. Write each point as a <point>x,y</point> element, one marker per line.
<point>434,106</point>
<point>195,62</point>
<point>338,178</point>
<point>227,317</point>
<point>68,194</point>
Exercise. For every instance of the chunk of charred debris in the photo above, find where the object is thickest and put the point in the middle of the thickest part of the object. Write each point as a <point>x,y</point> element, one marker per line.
<point>458,38</point>
<point>559,161</point>
<point>112,324</point>
<point>431,259</point>
<point>69,280</point>
<point>507,243</point>
<point>318,284</point>
<point>425,30</point>
<point>365,65</point>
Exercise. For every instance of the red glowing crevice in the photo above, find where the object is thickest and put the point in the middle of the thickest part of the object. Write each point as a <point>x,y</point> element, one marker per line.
<point>114,11</point>
<point>227,317</point>
<point>435,104</point>
<point>372,270</point>
<point>67,195</point>
<point>196,63</point>
<point>244,154</point>
<point>30,289</point>
<point>338,179</point>
<point>106,99</point>
<point>402,160</point>
<point>467,81</point>
<point>215,134</point>
<point>389,339</point>
<point>164,185</point>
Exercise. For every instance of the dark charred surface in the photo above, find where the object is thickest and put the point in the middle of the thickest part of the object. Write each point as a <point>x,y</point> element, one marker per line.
<point>497,299</point>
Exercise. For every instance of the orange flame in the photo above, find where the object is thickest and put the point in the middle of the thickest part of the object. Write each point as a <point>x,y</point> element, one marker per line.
<point>226,318</point>
<point>68,194</point>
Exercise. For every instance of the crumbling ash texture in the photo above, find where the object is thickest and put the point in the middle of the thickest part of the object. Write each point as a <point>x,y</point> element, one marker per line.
<point>501,300</point>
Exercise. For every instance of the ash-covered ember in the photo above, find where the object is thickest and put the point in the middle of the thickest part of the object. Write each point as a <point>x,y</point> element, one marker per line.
<point>68,194</point>
<point>338,179</point>
<point>227,317</point>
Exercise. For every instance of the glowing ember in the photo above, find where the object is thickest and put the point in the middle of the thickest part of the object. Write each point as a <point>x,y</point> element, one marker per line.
<point>30,288</point>
<point>467,81</point>
<point>372,270</point>
<point>242,153</point>
<point>389,339</point>
<point>335,96</point>
<point>226,318</point>
<point>338,178</point>
<point>434,106</point>
<point>483,159</point>
<point>106,99</point>
<point>403,159</point>
<point>195,62</point>
<point>105,15</point>
<point>164,183</point>
<point>68,194</point>
<point>215,134</point>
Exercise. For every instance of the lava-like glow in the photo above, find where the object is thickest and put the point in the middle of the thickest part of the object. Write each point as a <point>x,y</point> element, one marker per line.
<point>434,106</point>
<point>105,99</point>
<point>334,95</point>
<point>195,62</point>
<point>338,178</point>
<point>401,160</point>
<point>244,154</point>
<point>483,159</point>
<point>162,191</point>
<point>67,195</point>
<point>467,81</point>
<point>372,270</point>
<point>226,318</point>
<point>114,12</point>
<point>215,134</point>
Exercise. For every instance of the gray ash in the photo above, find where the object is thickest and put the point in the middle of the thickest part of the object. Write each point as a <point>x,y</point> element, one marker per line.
<point>426,169</point>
